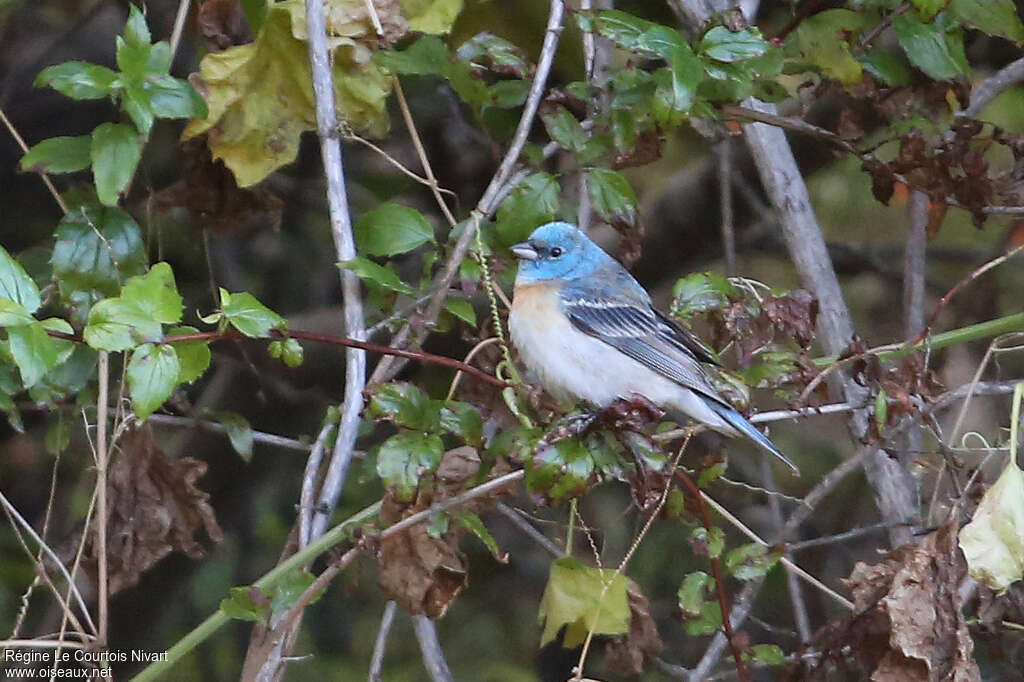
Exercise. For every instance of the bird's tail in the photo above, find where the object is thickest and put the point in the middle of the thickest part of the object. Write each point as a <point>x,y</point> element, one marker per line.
<point>740,423</point>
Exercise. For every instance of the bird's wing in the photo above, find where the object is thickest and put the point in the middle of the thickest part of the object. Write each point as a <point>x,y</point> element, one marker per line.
<point>633,327</point>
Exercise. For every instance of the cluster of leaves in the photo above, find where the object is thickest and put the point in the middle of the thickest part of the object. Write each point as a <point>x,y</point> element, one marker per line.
<point>145,91</point>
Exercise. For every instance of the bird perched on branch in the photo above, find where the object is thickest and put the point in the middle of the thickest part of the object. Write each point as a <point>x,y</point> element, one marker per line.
<point>588,331</point>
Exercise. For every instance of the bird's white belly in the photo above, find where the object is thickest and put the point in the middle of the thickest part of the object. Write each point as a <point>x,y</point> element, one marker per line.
<point>569,363</point>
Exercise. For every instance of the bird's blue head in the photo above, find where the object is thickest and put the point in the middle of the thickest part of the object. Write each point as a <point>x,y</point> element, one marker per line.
<point>557,251</point>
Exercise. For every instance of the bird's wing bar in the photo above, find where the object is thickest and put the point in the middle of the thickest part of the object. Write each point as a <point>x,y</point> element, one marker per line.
<point>640,333</point>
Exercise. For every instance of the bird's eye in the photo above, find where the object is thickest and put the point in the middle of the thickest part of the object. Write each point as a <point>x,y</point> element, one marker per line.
<point>556,251</point>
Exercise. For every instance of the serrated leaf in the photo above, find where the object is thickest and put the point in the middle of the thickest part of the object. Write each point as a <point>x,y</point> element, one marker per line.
<point>246,603</point>
<point>611,196</point>
<point>79,80</point>
<point>136,32</point>
<point>95,248</point>
<point>533,202</point>
<point>709,621</point>
<point>152,375</point>
<point>34,351</point>
<point>994,17</point>
<point>391,229</point>
<point>502,56</point>
<point>115,325</point>
<point>171,97</point>
<point>193,356</point>
<point>560,470</point>
<point>751,561</point>
<point>406,405</point>
<point>940,54</point>
<point>155,294</point>
<point>464,421</point>
<point>711,543</point>
<point>885,67</point>
<point>564,129</point>
<point>16,285</point>
<point>115,154</point>
<point>691,592</point>
<point>426,56</point>
<point>724,45</point>
<point>239,432</point>
<point>259,96</point>
<point>248,315</point>
<point>584,599</point>
<point>462,309</point>
<point>135,102</point>
<point>379,275</point>
<point>700,292</point>
<point>403,458</point>
<point>58,155</point>
<point>767,654</point>
<point>14,314</point>
<point>622,28</point>
<point>431,16</point>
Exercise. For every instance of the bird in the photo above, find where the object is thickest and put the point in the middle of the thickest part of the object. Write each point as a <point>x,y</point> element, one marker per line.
<point>587,330</point>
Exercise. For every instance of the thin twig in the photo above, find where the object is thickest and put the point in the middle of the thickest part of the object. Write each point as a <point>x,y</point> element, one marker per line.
<point>723,156</point>
<point>796,594</point>
<point>528,529</point>
<point>179,26</point>
<point>430,648</point>
<point>24,148</point>
<point>102,456</point>
<point>837,538</point>
<point>380,645</point>
<point>215,427</point>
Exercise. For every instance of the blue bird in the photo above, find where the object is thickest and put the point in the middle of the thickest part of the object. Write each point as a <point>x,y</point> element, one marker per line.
<point>588,331</point>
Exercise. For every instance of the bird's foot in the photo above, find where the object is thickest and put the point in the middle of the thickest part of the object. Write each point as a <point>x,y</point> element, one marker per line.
<point>633,413</point>
<point>572,426</point>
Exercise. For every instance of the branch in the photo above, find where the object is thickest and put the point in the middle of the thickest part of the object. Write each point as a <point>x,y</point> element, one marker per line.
<point>433,656</point>
<point>993,86</point>
<point>490,199</point>
<point>377,660</point>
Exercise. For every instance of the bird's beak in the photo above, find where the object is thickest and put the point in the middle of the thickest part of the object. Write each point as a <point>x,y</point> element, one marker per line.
<point>524,250</point>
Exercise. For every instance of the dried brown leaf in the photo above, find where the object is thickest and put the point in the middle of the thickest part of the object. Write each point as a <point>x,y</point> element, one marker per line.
<point>222,23</point>
<point>795,314</point>
<point>154,508</point>
<point>628,654</point>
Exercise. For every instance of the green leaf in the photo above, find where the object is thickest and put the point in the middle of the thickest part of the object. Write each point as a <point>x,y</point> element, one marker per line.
<point>431,16</point>
<point>378,275</point>
<point>391,229</point>
<point>994,17</point>
<point>155,294</point>
<point>136,102</point>
<point>691,592</point>
<point>475,525</point>
<point>34,351</point>
<point>115,155</point>
<point>622,28</point>
<point>766,654</point>
<point>248,315</point>
<point>662,41</point>
<point>79,80</point>
<point>708,543</point>
<point>700,292</point>
<point>406,405</point>
<point>751,561</point>
<point>611,196</point>
<point>96,247</point>
<point>584,599</point>
<point>533,202</point>
<point>135,30</point>
<point>687,72</point>
<point>152,375</point>
<point>426,56</point>
<point>292,586</point>
<point>171,97</point>
<point>14,314</point>
<point>115,325</point>
<point>885,67</point>
<point>16,285</point>
<point>288,350</point>
<point>193,356</point>
<point>58,155</point>
<point>709,621</point>
<point>822,42</point>
<point>464,421</point>
<point>881,410</point>
<point>406,456</point>
<point>724,45</point>
<point>259,96</point>
<point>462,309</point>
<point>564,129</point>
<point>246,603</point>
<point>940,54</point>
<point>502,56</point>
<point>239,432</point>
<point>560,470</point>
<point>993,541</point>
<point>927,9</point>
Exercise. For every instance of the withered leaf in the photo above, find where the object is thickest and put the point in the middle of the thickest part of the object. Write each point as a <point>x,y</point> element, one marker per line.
<point>627,654</point>
<point>795,314</point>
<point>223,24</point>
<point>421,572</point>
<point>154,508</point>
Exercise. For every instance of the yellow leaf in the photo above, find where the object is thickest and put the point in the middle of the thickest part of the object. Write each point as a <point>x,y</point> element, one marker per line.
<point>993,542</point>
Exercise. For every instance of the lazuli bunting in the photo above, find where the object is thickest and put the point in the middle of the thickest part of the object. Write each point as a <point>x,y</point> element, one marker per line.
<point>588,331</point>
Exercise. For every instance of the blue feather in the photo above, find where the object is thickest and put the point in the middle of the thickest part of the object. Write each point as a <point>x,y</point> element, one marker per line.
<point>740,423</point>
